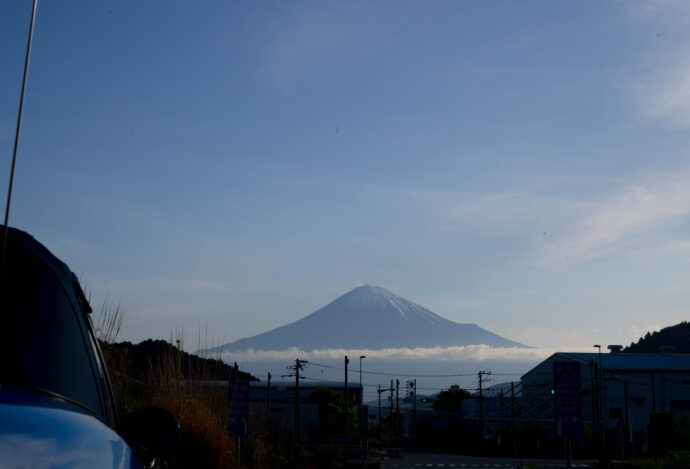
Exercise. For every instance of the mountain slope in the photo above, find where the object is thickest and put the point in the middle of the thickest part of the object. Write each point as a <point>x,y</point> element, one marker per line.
<point>373,318</point>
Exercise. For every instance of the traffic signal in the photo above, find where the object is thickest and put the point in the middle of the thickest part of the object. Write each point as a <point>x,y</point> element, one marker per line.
<point>553,392</point>
<point>426,400</point>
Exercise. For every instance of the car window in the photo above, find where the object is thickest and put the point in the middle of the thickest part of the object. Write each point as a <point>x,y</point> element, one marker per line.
<point>44,330</point>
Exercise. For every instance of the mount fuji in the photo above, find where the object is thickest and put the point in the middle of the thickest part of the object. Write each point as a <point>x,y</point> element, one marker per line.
<point>369,317</point>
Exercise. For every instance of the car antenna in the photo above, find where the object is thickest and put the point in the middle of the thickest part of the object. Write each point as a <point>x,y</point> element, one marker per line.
<point>16,136</point>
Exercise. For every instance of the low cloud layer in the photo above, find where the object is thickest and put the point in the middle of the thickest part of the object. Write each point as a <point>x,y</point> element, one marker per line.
<point>466,353</point>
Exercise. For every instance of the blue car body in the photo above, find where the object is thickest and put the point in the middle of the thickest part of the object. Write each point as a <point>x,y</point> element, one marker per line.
<point>39,431</point>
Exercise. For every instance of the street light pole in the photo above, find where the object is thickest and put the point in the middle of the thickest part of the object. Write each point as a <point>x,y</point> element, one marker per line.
<point>361,389</point>
<point>361,402</point>
<point>601,402</point>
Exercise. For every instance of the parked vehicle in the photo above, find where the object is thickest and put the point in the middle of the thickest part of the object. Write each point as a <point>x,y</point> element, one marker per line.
<point>57,405</point>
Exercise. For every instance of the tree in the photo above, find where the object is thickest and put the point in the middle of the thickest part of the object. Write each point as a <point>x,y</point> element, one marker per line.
<point>450,399</point>
<point>332,412</point>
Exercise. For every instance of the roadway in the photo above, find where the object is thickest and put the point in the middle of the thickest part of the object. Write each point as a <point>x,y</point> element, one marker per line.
<point>436,460</point>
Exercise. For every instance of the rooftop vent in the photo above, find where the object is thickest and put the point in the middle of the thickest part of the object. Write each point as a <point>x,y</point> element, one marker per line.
<point>615,348</point>
<point>666,349</point>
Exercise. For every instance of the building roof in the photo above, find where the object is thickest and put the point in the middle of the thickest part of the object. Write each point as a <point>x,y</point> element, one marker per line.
<point>628,361</point>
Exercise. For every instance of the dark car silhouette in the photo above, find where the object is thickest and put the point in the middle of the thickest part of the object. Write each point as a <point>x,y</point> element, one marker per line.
<point>57,405</point>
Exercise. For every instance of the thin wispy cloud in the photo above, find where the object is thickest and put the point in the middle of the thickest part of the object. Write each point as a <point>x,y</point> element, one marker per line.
<point>614,222</point>
<point>665,93</point>
<point>557,230</point>
<point>662,89</point>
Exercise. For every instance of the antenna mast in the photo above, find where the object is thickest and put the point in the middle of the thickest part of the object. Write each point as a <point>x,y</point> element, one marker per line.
<point>16,134</point>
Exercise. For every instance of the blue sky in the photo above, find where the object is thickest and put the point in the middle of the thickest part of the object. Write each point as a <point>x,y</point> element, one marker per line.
<point>232,166</point>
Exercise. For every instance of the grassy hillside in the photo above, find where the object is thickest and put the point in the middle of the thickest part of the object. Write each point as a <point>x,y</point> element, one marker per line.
<point>137,361</point>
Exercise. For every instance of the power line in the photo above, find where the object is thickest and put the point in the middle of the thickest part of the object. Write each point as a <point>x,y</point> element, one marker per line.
<point>411,375</point>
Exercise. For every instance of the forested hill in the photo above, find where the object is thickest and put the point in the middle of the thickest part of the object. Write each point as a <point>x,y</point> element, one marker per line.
<point>157,356</point>
<point>677,336</point>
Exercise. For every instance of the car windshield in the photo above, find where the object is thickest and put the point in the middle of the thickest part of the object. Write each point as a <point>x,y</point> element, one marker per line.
<point>44,328</point>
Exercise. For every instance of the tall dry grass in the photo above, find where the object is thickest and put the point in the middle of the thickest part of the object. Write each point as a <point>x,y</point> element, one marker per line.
<point>199,399</point>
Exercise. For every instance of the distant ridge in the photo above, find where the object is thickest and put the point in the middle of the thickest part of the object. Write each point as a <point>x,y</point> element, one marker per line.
<point>369,317</point>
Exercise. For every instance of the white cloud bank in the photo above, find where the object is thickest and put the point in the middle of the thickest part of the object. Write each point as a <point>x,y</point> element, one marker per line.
<point>444,354</point>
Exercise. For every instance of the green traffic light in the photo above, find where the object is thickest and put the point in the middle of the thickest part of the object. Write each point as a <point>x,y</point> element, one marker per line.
<point>553,391</point>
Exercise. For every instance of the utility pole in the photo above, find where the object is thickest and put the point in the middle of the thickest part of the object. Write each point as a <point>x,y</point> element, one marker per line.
<point>626,421</point>
<point>414,413</point>
<point>512,414</point>
<point>347,361</point>
<point>361,398</point>
<point>501,432</point>
<point>380,391</point>
<point>600,387</point>
<point>390,414</point>
<point>481,402</point>
<point>268,403</point>
<point>297,422</point>
<point>656,453</point>
<point>297,367</point>
<point>359,411</point>
<point>239,447</point>
<point>397,416</point>
<point>592,371</point>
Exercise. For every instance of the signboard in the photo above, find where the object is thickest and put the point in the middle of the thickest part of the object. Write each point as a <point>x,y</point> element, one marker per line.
<point>238,405</point>
<point>567,393</point>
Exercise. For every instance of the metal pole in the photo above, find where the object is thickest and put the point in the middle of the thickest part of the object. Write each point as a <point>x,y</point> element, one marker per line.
<point>600,389</point>
<point>268,403</point>
<point>592,381</point>
<point>397,416</point>
<point>656,453</point>
<point>390,414</point>
<point>626,420</point>
<point>379,391</point>
<point>360,377</point>
<point>361,401</point>
<point>297,422</point>
<point>346,409</point>
<point>512,414</point>
<point>239,448</point>
<point>414,414</point>
<point>16,134</point>
<point>501,431</point>
<point>481,408</point>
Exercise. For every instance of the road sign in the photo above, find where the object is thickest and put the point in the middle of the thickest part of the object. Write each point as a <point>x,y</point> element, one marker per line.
<point>567,394</point>
<point>238,404</point>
